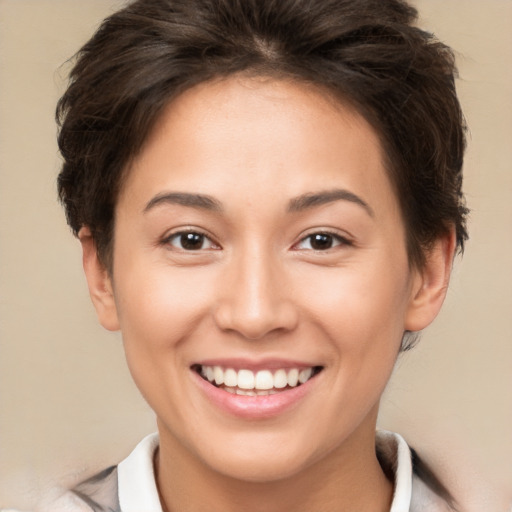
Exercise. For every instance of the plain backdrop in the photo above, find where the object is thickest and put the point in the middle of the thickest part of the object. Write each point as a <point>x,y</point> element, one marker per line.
<point>68,406</point>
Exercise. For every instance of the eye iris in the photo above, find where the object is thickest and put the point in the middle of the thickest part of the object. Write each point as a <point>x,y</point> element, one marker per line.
<point>191,241</point>
<point>321,241</point>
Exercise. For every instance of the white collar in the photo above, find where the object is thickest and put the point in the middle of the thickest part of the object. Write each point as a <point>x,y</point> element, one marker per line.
<point>137,486</point>
<point>397,456</point>
<point>136,478</point>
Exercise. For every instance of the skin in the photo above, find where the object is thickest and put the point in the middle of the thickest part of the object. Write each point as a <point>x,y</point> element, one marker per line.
<point>255,289</point>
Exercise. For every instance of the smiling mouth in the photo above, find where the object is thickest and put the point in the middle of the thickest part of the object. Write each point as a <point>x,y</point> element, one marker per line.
<point>260,383</point>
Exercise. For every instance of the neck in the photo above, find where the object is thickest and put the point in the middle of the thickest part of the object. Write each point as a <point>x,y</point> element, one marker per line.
<point>349,478</point>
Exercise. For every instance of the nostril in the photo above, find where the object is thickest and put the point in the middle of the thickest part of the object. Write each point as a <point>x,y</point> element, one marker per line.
<point>253,321</point>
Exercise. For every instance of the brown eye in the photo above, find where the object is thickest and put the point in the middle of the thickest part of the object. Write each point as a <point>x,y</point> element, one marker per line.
<point>321,241</point>
<point>190,241</point>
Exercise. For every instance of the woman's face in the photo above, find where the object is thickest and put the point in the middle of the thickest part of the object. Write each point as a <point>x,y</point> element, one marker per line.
<point>258,240</point>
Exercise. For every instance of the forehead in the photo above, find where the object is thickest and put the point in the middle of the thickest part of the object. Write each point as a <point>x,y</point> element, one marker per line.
<point>278,137</point>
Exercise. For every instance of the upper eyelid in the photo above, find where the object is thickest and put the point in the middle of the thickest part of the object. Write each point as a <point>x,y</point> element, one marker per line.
<point>343,239</point>
<point>334,233</point>
<point>187,229</point>
<point>183,230</point>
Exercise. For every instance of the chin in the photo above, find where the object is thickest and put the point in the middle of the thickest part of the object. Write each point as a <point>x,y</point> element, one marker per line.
<point>260,458</point>
<point>260,469</point>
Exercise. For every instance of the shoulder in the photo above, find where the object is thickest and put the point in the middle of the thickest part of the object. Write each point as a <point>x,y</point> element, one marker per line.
<point>129,486</point>
<point>428,492</point>
<point>416,488</point>
<point>424,499</point>
<point>98,493</point>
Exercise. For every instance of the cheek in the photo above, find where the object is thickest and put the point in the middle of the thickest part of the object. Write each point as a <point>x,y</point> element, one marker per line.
<point>158,309</point>
<point>366,302</point>
<point>362,315</point>
<point>364,321</point>
<point>158,305</point>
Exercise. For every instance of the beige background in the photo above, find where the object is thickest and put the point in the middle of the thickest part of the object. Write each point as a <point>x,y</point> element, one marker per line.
<point>67,404</point>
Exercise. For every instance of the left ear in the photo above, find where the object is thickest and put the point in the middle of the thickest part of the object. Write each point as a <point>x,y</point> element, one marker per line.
<point>430,283</point>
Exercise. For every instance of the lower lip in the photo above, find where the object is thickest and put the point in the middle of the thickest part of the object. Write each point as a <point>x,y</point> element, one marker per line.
<point>254,407</point>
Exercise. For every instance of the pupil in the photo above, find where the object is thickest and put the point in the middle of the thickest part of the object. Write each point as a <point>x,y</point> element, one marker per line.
<point>321,241</point>
<point>191,241</point>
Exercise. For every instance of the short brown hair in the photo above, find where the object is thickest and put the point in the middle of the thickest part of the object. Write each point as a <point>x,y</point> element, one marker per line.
<point>367,52</point>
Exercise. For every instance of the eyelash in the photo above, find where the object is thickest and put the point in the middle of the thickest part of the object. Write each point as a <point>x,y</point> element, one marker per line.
<point>189,232</point>
<point>333,238</point>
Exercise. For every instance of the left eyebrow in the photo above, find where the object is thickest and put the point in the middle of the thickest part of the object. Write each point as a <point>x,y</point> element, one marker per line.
<point>312,200</point>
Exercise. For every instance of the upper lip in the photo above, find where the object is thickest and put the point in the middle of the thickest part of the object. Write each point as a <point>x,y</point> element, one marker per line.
<point>255,364</point>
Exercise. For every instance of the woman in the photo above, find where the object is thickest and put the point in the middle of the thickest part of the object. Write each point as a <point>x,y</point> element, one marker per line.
<point>268,198</point>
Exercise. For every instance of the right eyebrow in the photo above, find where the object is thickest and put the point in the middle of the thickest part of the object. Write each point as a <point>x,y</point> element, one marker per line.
<point>200,201</point>
<point>312,200</point>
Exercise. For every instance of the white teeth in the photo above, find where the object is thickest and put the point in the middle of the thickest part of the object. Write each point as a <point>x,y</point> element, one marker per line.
<point>218,375</point>
<point>245,379</point>
<point>264,381</point>
<point>230,378</point>
<point>280,379</point>
<point>245,392</point>
<point>293,377</point>
<point>304,375</point>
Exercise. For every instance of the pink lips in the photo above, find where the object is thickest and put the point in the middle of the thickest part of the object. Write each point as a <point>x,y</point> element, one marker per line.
<point>263,364</point>
<point>255,407</point>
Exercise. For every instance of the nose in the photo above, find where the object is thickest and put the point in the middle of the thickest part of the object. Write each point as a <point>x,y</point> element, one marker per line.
<point>255,300</point>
